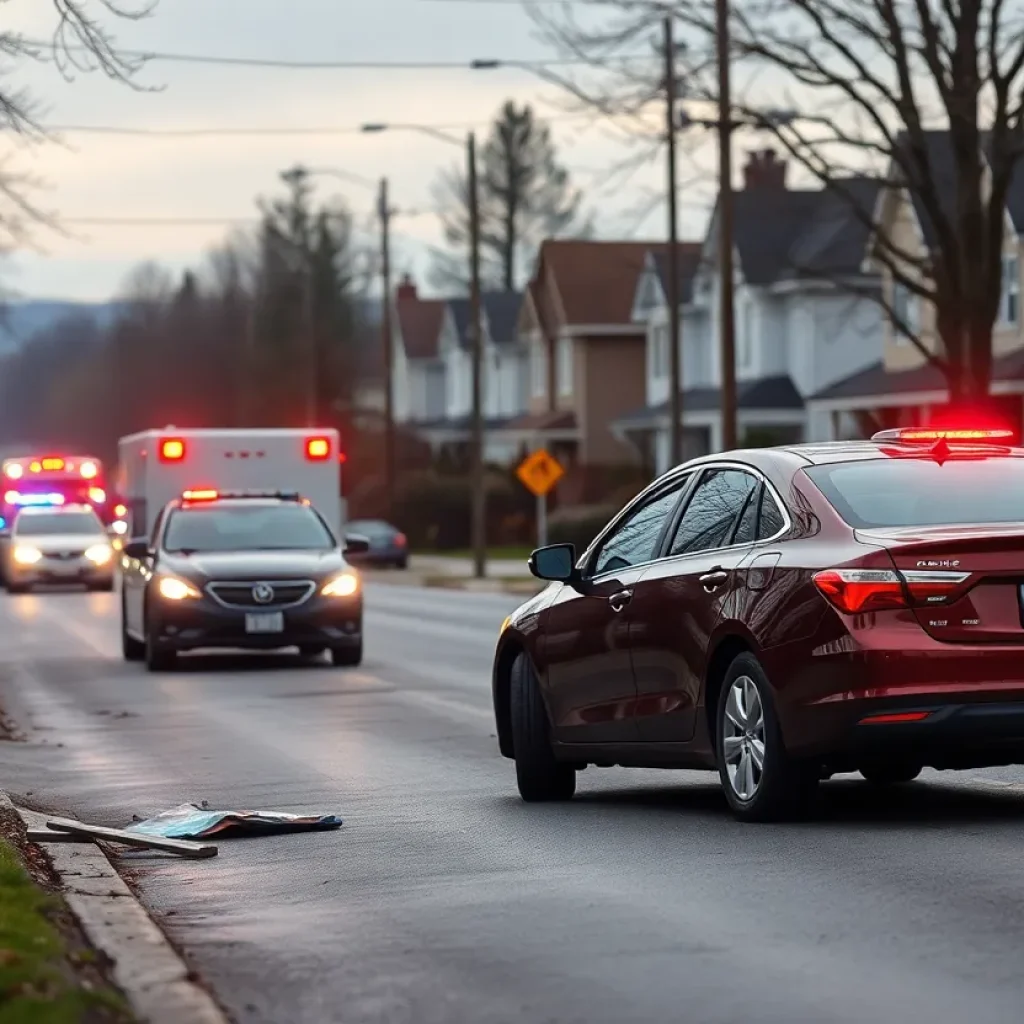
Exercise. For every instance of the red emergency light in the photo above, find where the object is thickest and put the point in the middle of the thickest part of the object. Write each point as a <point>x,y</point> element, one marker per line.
<point>926,435</point>
<point>172,449</point>
<point>205,494</point>
<point>318,449</point>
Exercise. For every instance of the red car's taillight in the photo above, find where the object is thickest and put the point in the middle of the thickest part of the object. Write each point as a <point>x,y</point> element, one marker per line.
<point>871,590</point>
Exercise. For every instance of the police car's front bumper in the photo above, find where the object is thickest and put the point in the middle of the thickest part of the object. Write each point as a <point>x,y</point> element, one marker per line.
<point>56,570</point>
<point>203,623</point>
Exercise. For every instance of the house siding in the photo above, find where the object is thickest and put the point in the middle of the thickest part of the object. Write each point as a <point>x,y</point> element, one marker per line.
<point>612,379</point>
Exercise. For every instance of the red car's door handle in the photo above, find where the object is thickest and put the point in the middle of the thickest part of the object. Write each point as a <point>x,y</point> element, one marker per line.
<point>620,600</point>
<point>711,581</point>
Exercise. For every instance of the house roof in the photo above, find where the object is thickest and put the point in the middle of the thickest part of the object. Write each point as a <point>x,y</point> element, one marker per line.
<point>420,321</point>
<point>774,393</point>
<point>875,380</point>
<point>595,280</point>
<point>687,264</point>
<point>791,233</point>
<point>501,310</point>
<point>942,166</point>
<point>557,420</point>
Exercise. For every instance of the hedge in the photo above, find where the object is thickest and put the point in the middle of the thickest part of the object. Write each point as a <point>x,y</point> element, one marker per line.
<point>579,524</point>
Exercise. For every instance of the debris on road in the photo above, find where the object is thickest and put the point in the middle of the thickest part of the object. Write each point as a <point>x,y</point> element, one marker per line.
<point>195,821</point>
<point>118,835</point>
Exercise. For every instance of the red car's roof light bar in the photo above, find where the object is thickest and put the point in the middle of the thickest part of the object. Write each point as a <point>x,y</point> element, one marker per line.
<point>897,718</point>
<point>931,435</point>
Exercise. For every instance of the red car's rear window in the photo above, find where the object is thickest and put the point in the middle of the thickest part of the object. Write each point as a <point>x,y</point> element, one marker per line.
<point>924,492</point>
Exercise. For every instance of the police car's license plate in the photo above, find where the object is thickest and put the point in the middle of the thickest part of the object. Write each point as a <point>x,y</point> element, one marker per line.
<point>264,622</point>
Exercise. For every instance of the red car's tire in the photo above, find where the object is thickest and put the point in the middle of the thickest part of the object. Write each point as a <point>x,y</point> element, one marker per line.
<point>541,777</point>
<point>749,740</point>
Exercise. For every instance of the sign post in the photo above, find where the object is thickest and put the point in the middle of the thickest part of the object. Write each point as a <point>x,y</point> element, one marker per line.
<point>538,473</point>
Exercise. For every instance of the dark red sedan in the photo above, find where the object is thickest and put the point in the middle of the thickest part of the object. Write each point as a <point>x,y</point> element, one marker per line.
<point>781,615</point>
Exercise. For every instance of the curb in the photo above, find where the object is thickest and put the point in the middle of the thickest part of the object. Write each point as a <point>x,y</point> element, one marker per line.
<point>147,969</point>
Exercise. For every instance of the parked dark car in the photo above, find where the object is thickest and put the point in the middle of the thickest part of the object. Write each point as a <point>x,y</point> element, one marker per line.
<point>782,615</point>
<point>240,571</point>
<point>388,545</point>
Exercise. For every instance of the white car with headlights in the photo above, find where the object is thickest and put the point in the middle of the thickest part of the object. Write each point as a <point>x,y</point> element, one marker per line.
<point>60,545</point>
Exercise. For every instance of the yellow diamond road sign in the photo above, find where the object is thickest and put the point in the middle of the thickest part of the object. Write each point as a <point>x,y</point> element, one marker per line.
<point>539,472</point>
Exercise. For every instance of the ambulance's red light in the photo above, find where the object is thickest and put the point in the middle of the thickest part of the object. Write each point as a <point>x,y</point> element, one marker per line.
<point>172,449</point>
<point>318,449</point>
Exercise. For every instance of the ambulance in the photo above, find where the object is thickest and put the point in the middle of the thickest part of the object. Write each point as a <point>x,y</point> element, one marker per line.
<point>157,466</point>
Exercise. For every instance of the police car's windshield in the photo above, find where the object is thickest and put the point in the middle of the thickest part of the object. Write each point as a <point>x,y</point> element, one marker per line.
<point>246,528</point>
<point>53,524</point>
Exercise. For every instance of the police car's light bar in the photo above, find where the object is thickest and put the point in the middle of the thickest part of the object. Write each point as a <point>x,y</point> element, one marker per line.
<point>212,495</point>
<point>21,500</point>
<point>929,435</point>
<point>172,449</point>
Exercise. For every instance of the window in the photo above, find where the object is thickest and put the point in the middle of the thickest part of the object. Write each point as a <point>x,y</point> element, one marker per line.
<point>709,517</point>
<point>746,528</point>
<point>1009,299</point>
<point>771,520</point>
<point>53,524</point>
<point>247,528</point>
<point>565,366</point>
<point>924,492</point>
<point>538,369</point>
<point>635,539</point>
<point>745,345</point>
<point>904,312</point>
<point>659,351</point>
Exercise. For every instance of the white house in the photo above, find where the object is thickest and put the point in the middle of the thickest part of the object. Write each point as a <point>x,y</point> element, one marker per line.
<point>434,368</point>
<point>804,315</point>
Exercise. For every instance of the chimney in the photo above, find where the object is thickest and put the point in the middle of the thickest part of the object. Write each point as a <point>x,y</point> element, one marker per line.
<point>406,289</point>
<point>764,170</point>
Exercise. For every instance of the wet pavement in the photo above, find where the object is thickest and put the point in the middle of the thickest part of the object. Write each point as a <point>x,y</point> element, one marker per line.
<point>445,899</point>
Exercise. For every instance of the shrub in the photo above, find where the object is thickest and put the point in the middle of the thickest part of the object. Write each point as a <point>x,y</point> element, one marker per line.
<point>579,524</point>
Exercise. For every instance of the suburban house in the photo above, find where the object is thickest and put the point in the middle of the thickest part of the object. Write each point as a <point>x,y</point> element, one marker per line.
<point>434,368</point>
<point>902,386</point>
<point>807,315</point>
<point>585,357</point>
<point>418,365</point>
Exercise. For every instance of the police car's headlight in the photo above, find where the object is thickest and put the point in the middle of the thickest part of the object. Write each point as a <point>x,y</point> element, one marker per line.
<point>344,585</point>
<point>24,554</point>
<point>99,554</point>
<point>174,589</point>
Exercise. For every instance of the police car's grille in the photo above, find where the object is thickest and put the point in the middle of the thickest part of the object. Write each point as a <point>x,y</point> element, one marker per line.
<point>62,556</point>
<point>247,595</point>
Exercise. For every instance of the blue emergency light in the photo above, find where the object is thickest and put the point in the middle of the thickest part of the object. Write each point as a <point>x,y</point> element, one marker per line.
<point>44,500</point>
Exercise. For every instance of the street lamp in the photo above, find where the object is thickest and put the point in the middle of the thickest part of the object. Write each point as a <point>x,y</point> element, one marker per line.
<point>478,509</point>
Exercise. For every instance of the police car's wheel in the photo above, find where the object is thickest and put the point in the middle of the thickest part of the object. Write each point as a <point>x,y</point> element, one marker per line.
<point>132,649</point>
<point>158,659</point>
<point>347,656</point>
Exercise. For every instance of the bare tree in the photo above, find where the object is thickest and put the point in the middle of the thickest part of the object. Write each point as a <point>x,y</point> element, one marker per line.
<point>927,98</point>
<point>80,43</point>
<point>526,195</point>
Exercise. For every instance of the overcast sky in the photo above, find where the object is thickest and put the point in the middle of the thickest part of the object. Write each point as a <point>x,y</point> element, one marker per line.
<point>219,176</point>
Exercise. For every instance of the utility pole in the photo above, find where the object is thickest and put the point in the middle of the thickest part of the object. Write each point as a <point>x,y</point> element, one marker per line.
<point>727,314</point>
<point>386,342</point>
<point>672,285</point>
<point>478,499</point>
<point>313,347</point>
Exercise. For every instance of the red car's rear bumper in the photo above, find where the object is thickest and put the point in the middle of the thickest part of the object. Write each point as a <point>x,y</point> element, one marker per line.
<point>967,705</point>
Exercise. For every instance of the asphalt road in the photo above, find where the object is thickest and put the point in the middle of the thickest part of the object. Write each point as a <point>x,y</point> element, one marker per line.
<point>445,899</point>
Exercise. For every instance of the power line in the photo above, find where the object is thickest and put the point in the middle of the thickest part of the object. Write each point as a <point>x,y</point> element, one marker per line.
<point>92,129</point>
<point>477,64</point>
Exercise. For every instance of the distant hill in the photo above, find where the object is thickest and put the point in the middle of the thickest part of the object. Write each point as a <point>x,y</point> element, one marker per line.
<point>24,319</point>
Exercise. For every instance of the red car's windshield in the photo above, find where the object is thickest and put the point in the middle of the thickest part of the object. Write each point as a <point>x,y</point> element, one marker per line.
<point>924,492</point>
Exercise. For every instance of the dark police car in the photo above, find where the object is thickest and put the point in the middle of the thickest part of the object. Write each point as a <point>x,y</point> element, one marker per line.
<point>241,570</point>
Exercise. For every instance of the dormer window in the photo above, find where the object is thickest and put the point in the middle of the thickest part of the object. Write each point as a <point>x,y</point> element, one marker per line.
<point>905,313</point>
